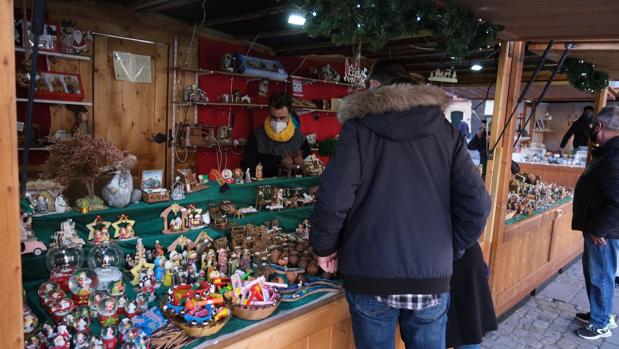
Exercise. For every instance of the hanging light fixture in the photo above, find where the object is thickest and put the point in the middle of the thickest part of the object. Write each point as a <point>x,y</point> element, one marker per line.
<point>296,19</point>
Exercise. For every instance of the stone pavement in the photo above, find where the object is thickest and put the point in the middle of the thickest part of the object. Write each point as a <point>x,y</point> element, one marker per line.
<point>546,320</point>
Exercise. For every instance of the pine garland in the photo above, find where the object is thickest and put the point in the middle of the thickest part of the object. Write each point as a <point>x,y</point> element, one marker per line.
<point>352,22</point>
<point>584,76</point>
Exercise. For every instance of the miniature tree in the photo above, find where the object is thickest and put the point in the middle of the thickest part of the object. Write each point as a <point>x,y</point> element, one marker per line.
<point>81,157</point>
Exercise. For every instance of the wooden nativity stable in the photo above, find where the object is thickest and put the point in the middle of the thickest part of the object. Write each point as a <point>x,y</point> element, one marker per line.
<point>153,121</point>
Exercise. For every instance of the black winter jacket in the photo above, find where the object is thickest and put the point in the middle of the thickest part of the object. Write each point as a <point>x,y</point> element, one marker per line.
<point>581,130</point>
<point>400,194</point>
<point>596,197</point>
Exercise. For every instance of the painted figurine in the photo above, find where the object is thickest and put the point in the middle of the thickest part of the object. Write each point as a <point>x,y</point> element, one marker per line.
<point>247,176</point>
<point>259,171</point>
<point>222,260</point>
<point>246,260</point>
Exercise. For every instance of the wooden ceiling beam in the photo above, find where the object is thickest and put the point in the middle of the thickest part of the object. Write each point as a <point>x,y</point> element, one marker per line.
<point>579,46</point>
<point>158,5</point>
<point>275,34</point>
<point>247,16</point>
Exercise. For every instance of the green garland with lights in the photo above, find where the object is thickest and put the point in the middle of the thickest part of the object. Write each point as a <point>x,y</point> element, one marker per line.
<point>583,75</point>
<point>353,22</point>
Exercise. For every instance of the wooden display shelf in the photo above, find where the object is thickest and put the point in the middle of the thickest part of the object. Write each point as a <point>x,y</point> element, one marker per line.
<point>208,147</point>
<point>315,110</point>
<point>312,80</point>
<point>202,72</point>
<point>53,101</point>
<point>209,104</point>
<point>35,148</point>
<point>58,54</point>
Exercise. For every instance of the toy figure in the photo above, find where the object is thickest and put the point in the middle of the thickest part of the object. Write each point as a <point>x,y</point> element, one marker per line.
<point>117,289</point>
<point>238,176</point>
<point>131,309</point>
<point>60,204</point>
<point>84,283</point>
<point>158,249</point>
<point>42,205</point>
<point>222,260</point>
<point>263,88</point>
<point>167,277</point>
<point>61,342</point>
<point>246,261</point>
<point>247,176</point>
<point>122,303</point>
<point>259,171</point>
<point>159,263</point>
<point>234,263</point>
<point>142,303</point>
<point>82,121</point>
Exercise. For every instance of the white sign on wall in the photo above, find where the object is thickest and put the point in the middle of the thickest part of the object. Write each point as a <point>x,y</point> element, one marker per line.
<point>131,67</point>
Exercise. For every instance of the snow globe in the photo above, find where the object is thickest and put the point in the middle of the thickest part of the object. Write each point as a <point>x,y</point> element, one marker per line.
<point>82,284</point>
<point>106,259</point>
<point>62,262</point>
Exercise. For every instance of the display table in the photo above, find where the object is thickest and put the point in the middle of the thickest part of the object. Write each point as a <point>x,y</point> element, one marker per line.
<point>149,226</point>
<point>562,175</point>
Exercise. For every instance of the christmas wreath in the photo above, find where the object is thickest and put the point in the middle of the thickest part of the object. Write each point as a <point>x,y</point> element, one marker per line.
<point>583,75</point>
<point>353,22</point>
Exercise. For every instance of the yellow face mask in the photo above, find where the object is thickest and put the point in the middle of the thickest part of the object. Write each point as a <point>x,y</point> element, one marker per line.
<point>284,136</point>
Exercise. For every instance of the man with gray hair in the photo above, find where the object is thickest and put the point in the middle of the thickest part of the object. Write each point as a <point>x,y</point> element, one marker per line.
<point>596,214</point>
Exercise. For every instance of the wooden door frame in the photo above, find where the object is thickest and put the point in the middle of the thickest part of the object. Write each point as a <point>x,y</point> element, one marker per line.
<point>11,320</point>
<point>99,72</point>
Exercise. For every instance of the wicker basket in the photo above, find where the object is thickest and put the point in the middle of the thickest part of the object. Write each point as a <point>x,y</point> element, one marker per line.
<point>207,329</point>
<point>253,312</point>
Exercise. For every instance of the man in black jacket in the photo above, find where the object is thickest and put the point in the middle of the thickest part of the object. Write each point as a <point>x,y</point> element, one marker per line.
<point>399,199</point>
<point>596,214</point>
<point>580,129</point>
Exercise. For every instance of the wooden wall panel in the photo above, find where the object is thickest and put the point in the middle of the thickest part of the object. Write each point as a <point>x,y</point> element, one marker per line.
<point>11,321</point>
<point>562,175</point>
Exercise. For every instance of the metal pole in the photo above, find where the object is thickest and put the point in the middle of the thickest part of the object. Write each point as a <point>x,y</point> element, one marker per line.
<point>37,30</point>
<point>174,97</point>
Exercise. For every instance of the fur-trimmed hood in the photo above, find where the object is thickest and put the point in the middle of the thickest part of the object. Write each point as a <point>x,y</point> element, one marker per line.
<point>390,98</point>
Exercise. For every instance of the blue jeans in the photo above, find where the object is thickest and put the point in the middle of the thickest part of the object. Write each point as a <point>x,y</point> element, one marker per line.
<point>599,265</point>
<point>469,346</point>
<point>374,323</point>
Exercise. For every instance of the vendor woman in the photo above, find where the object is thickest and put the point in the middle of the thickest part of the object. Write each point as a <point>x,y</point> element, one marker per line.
<point>277,137</point>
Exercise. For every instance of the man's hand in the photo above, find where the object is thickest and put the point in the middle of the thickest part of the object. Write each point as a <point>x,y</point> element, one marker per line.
<point>600,241</point>
<point>328,263</point>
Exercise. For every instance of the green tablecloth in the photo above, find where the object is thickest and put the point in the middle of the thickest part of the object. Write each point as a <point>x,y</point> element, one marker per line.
<point>522,217</point>
<point>149,226</point>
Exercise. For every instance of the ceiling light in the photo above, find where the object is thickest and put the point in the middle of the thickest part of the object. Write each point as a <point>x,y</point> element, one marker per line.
<point>296,20</point>
<point>476,67</point>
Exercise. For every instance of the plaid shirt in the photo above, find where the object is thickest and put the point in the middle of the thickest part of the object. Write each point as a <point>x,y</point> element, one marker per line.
<point>411,301</point>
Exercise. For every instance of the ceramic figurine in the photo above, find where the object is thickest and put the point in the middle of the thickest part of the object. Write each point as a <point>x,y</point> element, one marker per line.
<point>60,204</point>
<point>263,88</point>
<point>234,263</point>
<point>222,260</point>
<point>42,205</point>
<point>259,171</point>
<point>246,260</point>
<point>247,176</point>
<point>167,276</point>
<point>238,176</point>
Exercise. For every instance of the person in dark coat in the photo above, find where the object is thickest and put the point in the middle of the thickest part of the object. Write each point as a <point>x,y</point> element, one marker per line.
<point>479,143</point>
<point>399,199</point>
<point>580,129</point>
<point>596,214</point>
<point>471,312</point>
<point>278,137</point>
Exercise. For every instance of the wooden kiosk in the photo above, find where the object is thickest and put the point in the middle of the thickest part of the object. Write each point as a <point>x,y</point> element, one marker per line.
<point>522,256</point>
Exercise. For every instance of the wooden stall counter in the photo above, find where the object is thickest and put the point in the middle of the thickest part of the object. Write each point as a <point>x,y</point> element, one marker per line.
<point>562,175</point>
<point>530,252</point>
